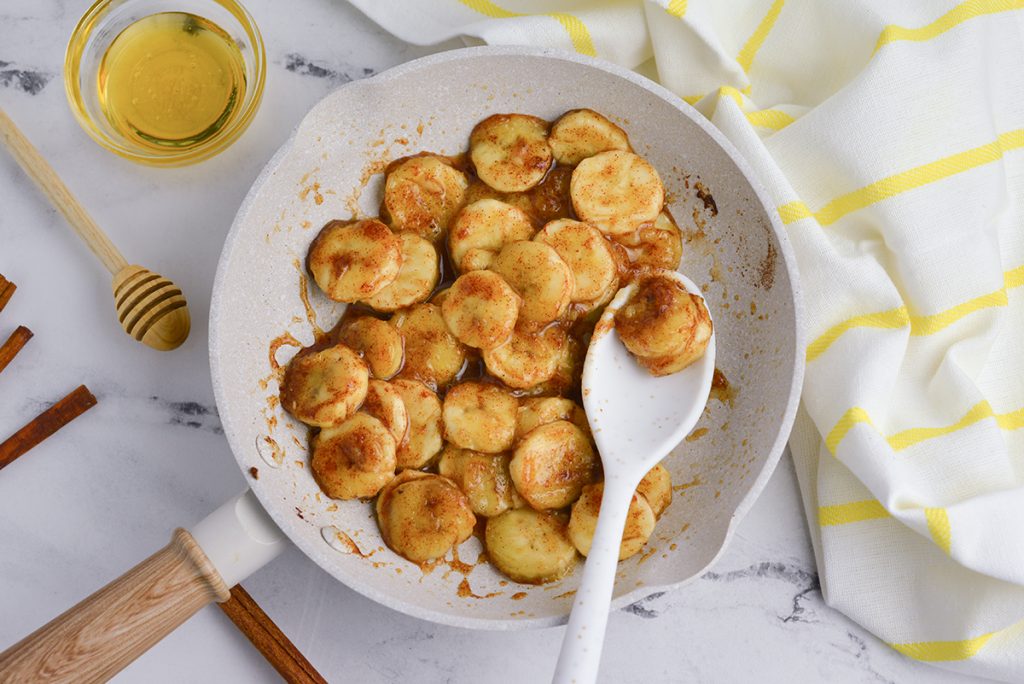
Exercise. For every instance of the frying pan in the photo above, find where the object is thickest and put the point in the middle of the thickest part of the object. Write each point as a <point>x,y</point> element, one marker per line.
<point>734,246</point>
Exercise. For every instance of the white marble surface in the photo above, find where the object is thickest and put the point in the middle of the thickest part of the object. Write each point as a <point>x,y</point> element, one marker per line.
<point>108,489</point>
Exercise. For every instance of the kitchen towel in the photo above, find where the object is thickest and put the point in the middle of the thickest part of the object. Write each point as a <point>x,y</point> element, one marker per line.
<point>891,137</point>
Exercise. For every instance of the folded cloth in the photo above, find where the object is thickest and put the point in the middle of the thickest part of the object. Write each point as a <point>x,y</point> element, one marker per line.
<point>891,136</point>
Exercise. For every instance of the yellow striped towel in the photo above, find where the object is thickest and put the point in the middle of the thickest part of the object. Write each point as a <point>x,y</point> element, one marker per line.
<point>891,136</point>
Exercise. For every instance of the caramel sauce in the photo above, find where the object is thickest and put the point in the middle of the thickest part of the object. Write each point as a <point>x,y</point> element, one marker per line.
<point>686,485</point>
<point>465,591</point>
<point>721,390</point>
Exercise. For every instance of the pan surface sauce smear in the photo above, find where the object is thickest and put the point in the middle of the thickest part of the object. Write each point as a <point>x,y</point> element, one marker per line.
<point>543,518</point>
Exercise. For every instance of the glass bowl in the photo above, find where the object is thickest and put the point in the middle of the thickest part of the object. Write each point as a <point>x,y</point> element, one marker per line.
<point>98,28</point>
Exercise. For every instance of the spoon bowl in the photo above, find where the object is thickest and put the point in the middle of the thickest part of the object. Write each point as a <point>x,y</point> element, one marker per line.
<point>636,419</point>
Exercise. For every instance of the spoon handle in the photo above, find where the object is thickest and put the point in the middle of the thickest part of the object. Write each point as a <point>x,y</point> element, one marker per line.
<point>580,657</point>
<point>53,187</point>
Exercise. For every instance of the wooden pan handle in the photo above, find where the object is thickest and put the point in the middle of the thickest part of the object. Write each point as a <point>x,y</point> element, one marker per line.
<point>104,633</point>
<point>53,187</point>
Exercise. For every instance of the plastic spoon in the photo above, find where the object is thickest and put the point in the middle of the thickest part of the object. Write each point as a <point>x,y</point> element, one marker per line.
<point>636,420</point>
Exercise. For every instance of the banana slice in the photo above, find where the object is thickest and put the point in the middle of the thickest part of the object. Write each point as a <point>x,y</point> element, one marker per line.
<point>423,438</point>
<point>541,278</point>
<point>422,194</point>
<point>423,516</point>
<point>325,387</point>
<point>661,318</point>
<point>656,488</point>
<point>616,191</point>
<point>355,459</point>
<point>481,229</point>
<point>586,252</point>
<point>527,359</point>
<point>480,416</point>
<point>379,342</point>
<point>552,464</point>
<point>432,354</point>
<point>529,546</point>
<point>356,260</point>
<point>416,279</point>
<point>582,133</point>
<point>672,363</point>
<point>658,245</point>
<point>384,403</point>
<point>483,478</point>
<point>510,151</point>
<point>568,370</point>
<point>538,411</point>
<point>481,309</point>
<point>639,522</point>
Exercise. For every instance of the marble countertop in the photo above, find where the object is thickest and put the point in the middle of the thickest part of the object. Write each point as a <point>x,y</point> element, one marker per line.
<point>108,489</point>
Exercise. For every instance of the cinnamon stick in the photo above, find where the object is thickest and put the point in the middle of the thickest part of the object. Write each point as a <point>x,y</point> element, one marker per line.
<point>46,423</point>
<point>7,289</point>
<point>13,345</point>
<point>268,638</point>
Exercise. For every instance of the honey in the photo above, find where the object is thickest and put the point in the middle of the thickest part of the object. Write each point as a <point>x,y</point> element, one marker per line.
<point>171,80</point>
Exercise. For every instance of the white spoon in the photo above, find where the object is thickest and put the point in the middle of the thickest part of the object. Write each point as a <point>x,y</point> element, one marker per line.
<point>636,420</point>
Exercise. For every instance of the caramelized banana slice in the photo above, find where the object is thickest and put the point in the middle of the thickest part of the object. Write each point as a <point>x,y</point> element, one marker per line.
<point>379,341</point>
<point>416,279</point>
<point>568,370</point>
<point>481,309</point>
<point>481,229</point>
<point>583,133</point>
<point>586,252</point>
<point>422,194</point>
<point>529,546</point>
<point>639,522</point>
<point>423,516</point>
<point>480,416</point>
<point>658,245</point>
<point>355,260</point>
<point>432,353</point>
<point>662,319</point>
<point>483,478</point>
<point>527,359</point>
<point>325,387</point>
<point>541,278</point>
<point>539,411</point>
<point>355,459</point>
<point>616,191</point>
<point>510,151</point>
<point>656,488</point>
<point>552,464</point>
<point>384,403</point>
<point>423,438</point>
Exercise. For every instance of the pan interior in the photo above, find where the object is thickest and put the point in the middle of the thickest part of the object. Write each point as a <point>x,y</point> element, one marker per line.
<point>331,169</point>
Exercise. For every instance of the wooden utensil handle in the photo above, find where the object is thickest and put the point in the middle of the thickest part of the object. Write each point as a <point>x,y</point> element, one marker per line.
<point>104,633</point>
<point>50,183</point>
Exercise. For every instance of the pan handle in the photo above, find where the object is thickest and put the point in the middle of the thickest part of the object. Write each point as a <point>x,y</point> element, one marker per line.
<point>104,633</point>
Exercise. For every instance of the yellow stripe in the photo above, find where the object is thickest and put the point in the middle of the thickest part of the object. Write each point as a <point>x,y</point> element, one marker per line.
<point>943,650</point>
<point>845,424</point>
<point>905,180</point>
<point>770,118</point>
<point>577,30</point>
<point>693,99</point>
<point>919,325</point>
<point>1012,420</point>
<point>1014,278</point>
<point>956,16</point>
<point>893,318</point>
<point>857,511</point>
<point>677,8</point>
<point>753,44</point>
<point>938,526</point>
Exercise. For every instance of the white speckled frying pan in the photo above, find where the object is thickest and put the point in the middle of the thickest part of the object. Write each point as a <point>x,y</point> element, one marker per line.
<point>734,246</point>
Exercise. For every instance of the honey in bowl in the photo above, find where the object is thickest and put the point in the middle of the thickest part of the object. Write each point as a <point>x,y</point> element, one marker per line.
<point>171,80</point>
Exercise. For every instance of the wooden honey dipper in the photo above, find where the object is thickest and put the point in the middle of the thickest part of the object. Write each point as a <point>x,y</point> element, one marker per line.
<point>150,307</point>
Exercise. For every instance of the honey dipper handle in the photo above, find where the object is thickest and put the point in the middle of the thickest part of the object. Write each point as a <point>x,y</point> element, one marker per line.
<point>105,632</point>
<point>53,187</point>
